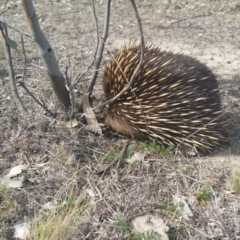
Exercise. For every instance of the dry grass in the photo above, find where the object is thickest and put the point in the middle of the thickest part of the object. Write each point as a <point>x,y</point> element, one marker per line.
<point>61,219</point>
<point>235,181</point>
<point>65,163</point>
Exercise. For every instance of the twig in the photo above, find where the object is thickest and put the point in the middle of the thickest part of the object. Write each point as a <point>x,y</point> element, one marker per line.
<point>16,30</point>
<point>128,86</point>
<point>93,58</point>
<point>100,49</point>
<point>184,19</point>
<point>25,58</point>
<point>199,231</point>
<point>80,76</point>
<point>224,227</point>
<point>124,149</point>
<point>97,29</point>
<point>22,84</point>
<point>70,89</point>
<point>18,101</point>
<point>7,8</point>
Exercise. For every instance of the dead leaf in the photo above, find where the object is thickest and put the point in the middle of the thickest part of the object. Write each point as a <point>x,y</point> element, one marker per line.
<point>90,116</point>
<point>16,170</point>
<point>87,109</point>
<point>90,192</point>
<point>22,230</point>
<point>148,223</point>
<point>71,124</point>
<point>182,207</point>
<point>12,183</point>
<point>49,206</point>
<point>95,128</point>
<point>138,156</point>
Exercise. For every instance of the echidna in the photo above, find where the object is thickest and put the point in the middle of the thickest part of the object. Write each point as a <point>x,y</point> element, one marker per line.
<point>173,98</point>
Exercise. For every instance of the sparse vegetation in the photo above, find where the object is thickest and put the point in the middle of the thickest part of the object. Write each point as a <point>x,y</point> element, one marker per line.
<point>130,150</point>
<point>235,181</point>
<point>235,8</point>
<point>7,204</point>
<point>153,146</point>
<point>236,77</point>
<point>121,222</point>
<point>204,194</point>
<point>59,219</point>
<point>170,208</point>
<point>149,235</point>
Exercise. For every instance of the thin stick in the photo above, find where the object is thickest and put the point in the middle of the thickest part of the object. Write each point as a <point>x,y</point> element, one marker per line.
<point>93,58</point>
<point>184,19</point>
<point>224,227</point>
<point>13,86</point>
<point>124,149</point>
<point>100,49</point>
<point>128,86</point>
<point>22,84</point>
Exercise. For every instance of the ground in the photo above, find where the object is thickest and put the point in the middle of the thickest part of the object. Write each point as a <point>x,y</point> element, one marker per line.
<point>65,165</point>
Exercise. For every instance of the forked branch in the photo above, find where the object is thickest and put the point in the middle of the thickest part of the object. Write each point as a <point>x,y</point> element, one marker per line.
<point>128,86</point>
<point>101,45</point>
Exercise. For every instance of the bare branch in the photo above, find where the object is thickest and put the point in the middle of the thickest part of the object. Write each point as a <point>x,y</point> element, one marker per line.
<point>22,84</point>
<point>47,54</point>
<point>7,8</point>
<point>96,26</point>
<point>128,86</point>
<point>25,59</point>
<point>93,59</point>
<point>100,48</point>
<point>13,86</point>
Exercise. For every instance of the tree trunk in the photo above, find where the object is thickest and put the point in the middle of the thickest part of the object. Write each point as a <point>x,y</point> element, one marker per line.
<point>47,54</point>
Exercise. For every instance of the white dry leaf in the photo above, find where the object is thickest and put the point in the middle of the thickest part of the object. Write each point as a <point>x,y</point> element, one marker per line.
<point>90,192</point>
<point>138,156</point>
<point>40,164</point>
<point>92,195</point>
<point>95,128</point>
<point>90,116</point>
<point>13,183</point>
<point>49,206</point>
<point>16,170</point>
<point>171,175</point>
<point>149,223</point>
<point>228,192</point>
<point>71,123</point>
<point>22,230</point>
<point>183,207</point>
<point>71,159</point>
